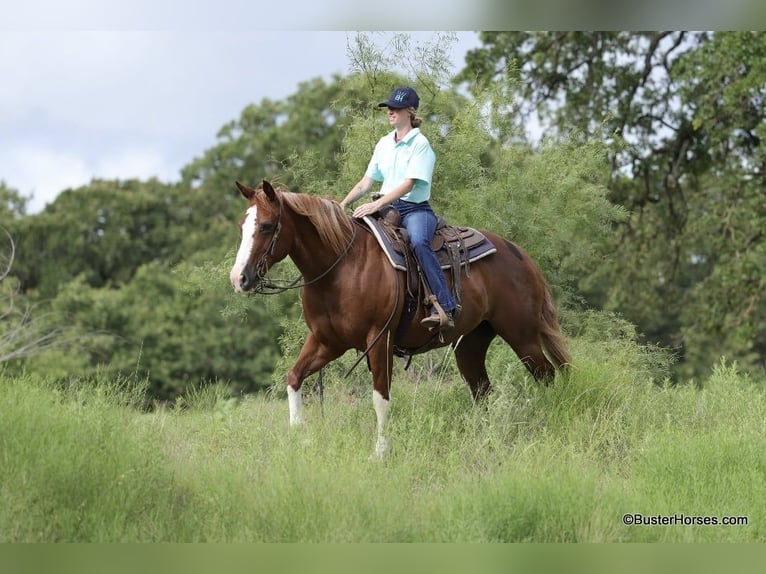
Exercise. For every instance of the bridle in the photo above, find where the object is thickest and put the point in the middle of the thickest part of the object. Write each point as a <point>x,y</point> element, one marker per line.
<point>262,266</point>
<point>264,286</point>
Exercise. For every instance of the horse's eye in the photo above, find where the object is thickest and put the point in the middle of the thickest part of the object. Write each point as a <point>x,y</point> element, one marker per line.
<point>267,227</point>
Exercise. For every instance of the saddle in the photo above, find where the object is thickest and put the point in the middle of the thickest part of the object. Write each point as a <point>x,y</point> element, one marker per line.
<point>455,248</point>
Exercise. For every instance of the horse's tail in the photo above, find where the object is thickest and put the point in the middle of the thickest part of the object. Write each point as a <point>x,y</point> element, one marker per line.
<point>552,337</point>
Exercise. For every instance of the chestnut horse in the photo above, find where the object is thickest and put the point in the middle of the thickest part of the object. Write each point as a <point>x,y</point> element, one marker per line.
<point>352,298</point>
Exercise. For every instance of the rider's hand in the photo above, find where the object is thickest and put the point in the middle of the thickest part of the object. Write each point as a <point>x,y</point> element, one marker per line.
<point>366,209</point>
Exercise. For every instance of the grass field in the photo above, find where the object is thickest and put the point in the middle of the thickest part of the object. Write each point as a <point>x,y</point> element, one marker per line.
<point>80,463</point>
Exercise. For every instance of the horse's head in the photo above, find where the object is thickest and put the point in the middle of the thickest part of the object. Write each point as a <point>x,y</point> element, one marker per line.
<point>261,226</point>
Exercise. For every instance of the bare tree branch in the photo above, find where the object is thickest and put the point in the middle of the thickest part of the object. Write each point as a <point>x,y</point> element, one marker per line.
<point>22,333</point>
<point>7,261</point>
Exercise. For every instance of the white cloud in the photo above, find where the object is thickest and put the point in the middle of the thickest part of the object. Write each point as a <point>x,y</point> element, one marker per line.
<point>174,14</point>
<point>42,173</point>
<point>168,84</point>
<point>137,163</point>
<point>81,105</point>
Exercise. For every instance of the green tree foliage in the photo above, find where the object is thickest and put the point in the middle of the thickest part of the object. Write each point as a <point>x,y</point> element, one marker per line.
<point>25,329</point>
<point>163,328</point>
<point>12,204</point>
<point>687,110</point>
<point>724,82</point>
<point>109,263</point>
<point>104,232</point>
<point>277,141</point>
<point>486,175</point>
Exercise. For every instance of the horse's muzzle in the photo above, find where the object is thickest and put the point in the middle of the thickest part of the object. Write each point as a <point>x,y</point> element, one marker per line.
<point>249,282</point>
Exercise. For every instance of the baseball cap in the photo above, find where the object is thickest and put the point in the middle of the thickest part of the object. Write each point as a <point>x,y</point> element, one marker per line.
<point>404,97</point>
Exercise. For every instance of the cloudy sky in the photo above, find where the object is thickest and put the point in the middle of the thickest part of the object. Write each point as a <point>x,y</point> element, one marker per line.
<point>77,104</point>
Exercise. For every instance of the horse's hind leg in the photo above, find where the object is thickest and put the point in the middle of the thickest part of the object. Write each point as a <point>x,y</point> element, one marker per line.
<point>527,345</point>
<point>470,353</point>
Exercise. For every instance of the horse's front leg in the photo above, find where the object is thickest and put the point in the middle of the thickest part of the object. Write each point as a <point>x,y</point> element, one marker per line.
<point>313,356</point>
<point>381,363</point>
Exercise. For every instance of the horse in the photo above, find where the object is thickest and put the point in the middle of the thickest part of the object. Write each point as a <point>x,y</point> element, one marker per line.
<point>352,298</point>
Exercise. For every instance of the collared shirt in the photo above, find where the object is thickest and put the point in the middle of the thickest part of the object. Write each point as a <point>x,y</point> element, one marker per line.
<point>409,158</point>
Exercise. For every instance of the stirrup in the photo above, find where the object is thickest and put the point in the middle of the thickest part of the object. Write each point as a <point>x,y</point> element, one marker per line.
<point>438,317</point>
<point>440,321</point>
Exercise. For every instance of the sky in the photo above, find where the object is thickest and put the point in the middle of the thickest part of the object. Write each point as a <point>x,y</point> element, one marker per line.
<point>78,104</point>
<point>116,90</point>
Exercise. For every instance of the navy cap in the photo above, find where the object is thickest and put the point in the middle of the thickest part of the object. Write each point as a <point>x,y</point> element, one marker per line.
<point>400,98</point>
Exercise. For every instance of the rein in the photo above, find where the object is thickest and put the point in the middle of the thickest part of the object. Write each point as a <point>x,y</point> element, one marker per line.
<point>267,287</point>
<point>383,330</point>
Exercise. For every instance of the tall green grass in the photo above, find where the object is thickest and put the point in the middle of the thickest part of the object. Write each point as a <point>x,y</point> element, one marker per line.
<point>557,463</point>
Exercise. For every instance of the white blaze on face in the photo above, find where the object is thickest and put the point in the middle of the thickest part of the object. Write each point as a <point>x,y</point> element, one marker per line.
<point>243,255</point>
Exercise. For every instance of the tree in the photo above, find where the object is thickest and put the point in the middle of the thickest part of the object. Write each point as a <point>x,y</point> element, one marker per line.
<point>12,204</point>
<point>270,139</point>
<point>105,231</point>
<point>685,114</point>
<point>112,264</point>
<point>168,328</point>
<point>724,84</point>
<point>22,333</point>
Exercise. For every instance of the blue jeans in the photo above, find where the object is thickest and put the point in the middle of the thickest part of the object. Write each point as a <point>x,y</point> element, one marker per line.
<point>420,222</point>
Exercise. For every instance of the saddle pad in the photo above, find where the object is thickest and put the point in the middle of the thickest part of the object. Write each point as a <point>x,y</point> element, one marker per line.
<point>475,253</point>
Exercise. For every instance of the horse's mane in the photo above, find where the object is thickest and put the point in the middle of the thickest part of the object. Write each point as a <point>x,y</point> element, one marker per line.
<point>334,227</point>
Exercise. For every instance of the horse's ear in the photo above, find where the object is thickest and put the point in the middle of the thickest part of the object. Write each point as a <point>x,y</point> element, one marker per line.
<point>247,192</point>
<point>269,191</point>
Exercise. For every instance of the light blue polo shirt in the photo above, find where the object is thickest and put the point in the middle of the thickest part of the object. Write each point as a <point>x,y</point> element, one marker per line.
<point>411,157</point>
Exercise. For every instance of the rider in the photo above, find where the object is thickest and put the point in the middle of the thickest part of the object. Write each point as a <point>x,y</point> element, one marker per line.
<point>404,162</point>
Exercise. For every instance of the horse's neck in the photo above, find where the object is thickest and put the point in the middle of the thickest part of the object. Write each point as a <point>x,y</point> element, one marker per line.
<point>310,255</point>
